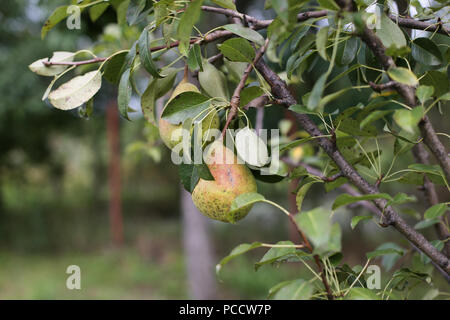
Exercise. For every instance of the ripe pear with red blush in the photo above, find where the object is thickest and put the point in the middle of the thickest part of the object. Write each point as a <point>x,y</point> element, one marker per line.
<point>213,198</point>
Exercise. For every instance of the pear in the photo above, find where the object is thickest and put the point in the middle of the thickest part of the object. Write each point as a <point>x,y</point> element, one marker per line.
<point>213,198</point>
<point>171,134</point>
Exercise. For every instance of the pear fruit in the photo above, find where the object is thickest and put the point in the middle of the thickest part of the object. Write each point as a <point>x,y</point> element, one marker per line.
<point>171,134</point>
<point>213,198</point>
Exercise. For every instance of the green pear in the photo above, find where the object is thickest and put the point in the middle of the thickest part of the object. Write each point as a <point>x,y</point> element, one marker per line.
<point>171,134</point>
<point>213,198</point>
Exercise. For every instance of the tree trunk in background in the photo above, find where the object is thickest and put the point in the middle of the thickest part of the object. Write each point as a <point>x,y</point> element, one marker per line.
<point>115,203</point>
<point>198,251</point>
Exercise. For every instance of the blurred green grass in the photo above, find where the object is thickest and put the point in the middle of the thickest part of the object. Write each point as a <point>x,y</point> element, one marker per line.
<point>150,266</point>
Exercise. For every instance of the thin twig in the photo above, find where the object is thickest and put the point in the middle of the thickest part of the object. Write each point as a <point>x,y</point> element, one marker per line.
<point>73,63</point>
<point>236,98</point>
<point>382,86</point>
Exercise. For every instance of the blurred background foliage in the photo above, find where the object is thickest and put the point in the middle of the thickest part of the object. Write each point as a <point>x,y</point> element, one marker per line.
<point>54,188</point>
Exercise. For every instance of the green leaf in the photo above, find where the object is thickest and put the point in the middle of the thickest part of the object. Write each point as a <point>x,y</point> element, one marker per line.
<point>374,116</point>
<point>359,293</point>
<point>246,33</point>
<point>250,93</point>
<point>301,109</point>
<point>239,250</point>
<point>112,68</point>
<point>358,219</point>
<point>426,168</point>
<point>124,94</point>
<point>189,176</point>
<point>121,12</point>
<point>129,58</point>
<point>277,254</point>
<point>185,105</point>
<point>334,243</point>
<point>166,84</point>
<point>401,198</point>
<point>316,225</point>
<point>329,4</point>
<point>57,15</point>
<point>403,75</point>
<point>321,42</point>
<point>294,144</point>
<point>41,69</point>
<point>330,97</point>
<point>389,33</point>
<point>293,290</point>
<point>426,52</point>
<point>345,199</point>
<point>77,91</point>
<point>228,4</point>
<point>382,252</point>
<point>195,60</point>
<point>237,49</point>
<point>245,200</point>
<point>148,99</point>
<point>424,93</point>
<point>408,119</point>
<point>203,172</point>
<point>302,193</point>
<point>405,275</point>
<point>134,10</point>
<point>187,21</point>
<point>96,11</point>
<point>436,211</point>
<point>316,92</point>
<point>438,80</point>
<point>145,54</point>
<point>388,260</point>
<point>426,223</point>
<point>298,36</point>
<point>347,51</point>
<point>212,81</point>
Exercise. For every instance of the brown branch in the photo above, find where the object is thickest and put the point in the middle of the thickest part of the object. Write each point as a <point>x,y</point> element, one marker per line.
<point>260,24</point>
<point>387,214</point>
<point>409,95</point>
<point>382,86</point>
<point>436,147</point>
<point>73,63</point>
<point>366,204</point>
<point>236,98</point>
<point>421,156</point>
<point>420,25</point>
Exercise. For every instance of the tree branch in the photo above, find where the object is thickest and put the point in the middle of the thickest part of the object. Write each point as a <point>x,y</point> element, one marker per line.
<point>409,95</point>
<point>366,204</point>
<point>236,98</point>
<point>421,156</point>
<point>387,214</point>
<point>261,24</point>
